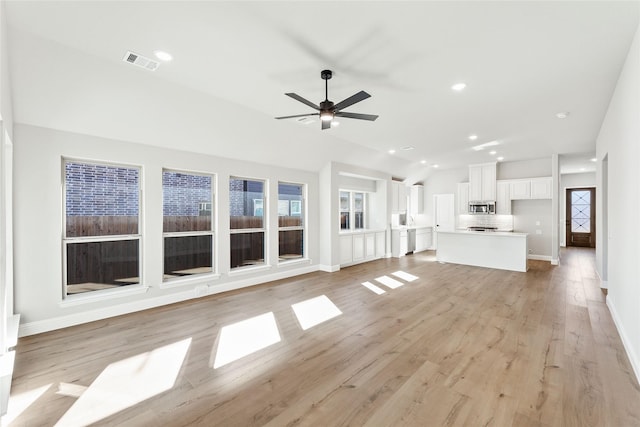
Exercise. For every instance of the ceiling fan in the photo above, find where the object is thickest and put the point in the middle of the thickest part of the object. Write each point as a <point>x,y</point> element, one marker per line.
<point>327,110</point>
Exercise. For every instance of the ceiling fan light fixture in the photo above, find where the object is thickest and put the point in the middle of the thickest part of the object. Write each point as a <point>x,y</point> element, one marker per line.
<point>326,116</point>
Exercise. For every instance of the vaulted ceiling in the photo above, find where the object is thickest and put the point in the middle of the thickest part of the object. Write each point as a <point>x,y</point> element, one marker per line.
<point>522,63</point>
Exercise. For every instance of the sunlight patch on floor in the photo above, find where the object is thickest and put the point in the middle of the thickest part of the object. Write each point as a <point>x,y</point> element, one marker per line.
<point>243,338</point>
<point>314,311</point>
<point>374,288</point>
<point>405,276</point>
<point>389,282</point>
<point>126,383</point>
<point>71,390</point>
<point>19,402</point>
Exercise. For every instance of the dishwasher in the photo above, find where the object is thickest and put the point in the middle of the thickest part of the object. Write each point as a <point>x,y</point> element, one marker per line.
<point>411,240</point>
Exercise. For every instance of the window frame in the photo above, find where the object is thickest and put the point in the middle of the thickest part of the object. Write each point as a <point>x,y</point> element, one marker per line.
<point>211,231</point>
<point>263,229</point>
<point>352,211</point>
<point>302,212</point>
<point>66,240</point>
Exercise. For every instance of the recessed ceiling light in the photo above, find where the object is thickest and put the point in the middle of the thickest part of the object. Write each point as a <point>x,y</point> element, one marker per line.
<point>163,56</point>
<point>493,152</point>
<point>500,158</point>
<point>595,159</point>
<point>392,151</point>
<point>436,166</point>
<point>424,162</point>
<point>562,115</point>
<point>583,169</point>
<point>458,87</point>
<point>485,145</point>
<point>473,137</point>
<point>408,148</point>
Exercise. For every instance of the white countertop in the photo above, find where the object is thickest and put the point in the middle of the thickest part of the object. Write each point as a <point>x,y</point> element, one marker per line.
<point>410,227</point>
<point>487,233</point>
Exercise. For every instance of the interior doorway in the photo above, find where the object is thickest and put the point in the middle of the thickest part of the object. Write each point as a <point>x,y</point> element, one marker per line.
<point>581,217</point>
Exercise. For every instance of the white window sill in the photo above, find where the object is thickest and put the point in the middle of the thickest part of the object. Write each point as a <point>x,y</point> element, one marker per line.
<point>294,262</point>
<point>188,280</point>
<point>240,271</point>
<point>106,294</point>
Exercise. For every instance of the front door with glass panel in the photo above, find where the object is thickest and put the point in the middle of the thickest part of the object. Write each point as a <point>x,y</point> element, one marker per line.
<point>581,221</point>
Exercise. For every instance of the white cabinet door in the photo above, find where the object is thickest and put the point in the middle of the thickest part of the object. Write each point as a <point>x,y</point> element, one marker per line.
<point>475,182</point>
<point>380,244</point>
<point>463,198</point>
<point>541,188</point>
<point>416,199</point>
<point>394,197</point>
<point>520,189</point>
<point>402,197</point>
<point>358,247</point>
<point>489,182</point>
<point>370,245</point>
<point>403,243</point>
<point>346,250</point>
<point>503,198</point>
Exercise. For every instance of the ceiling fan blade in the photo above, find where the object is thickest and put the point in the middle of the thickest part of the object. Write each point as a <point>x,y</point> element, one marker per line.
<point>297,115</point>
<point>304,101</point>
<point>326,124</point>
<point>360,96</point>
<point>370,117</point>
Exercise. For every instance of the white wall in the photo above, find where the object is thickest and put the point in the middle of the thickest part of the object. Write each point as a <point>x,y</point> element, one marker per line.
<point>531,216</point>
<point>524,169</point>
<point>619,141</point>
<point>38,224</point>
<point>572,180</point>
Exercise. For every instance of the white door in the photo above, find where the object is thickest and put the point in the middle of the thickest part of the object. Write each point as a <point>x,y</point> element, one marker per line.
<point>444,215</point>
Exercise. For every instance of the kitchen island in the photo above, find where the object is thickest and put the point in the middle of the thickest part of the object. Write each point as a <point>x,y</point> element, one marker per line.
<point>501,250</point>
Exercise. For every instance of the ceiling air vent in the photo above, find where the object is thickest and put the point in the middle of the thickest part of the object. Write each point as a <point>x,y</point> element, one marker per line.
<point>141,61</point>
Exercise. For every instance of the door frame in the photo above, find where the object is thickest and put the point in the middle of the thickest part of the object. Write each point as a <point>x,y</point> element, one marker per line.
<point>592,219</point>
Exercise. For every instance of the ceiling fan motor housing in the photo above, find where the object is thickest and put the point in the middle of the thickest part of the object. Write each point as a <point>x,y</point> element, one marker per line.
<point>326,74</point>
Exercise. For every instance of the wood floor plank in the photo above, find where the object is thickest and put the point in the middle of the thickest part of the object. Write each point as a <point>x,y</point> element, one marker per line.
<point>458,346</point>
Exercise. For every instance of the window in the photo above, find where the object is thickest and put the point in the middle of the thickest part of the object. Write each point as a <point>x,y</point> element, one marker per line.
<point>101,226</point>
<point>345,209</point>
<point>246,214</point>
<point>352,210</point>
<point>187,201</point>
<point>290,221</point>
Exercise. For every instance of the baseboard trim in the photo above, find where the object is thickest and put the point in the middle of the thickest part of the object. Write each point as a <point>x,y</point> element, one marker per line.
<point>539,257</point>
<point>197,291</point>
<point>329,268</point>
<point>631,354</point>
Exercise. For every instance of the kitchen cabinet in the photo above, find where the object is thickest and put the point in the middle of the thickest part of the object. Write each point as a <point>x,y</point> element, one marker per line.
<point>503,198</point>
<point>532,188</point>
<point>346,249</point>
<point>423,239</point>
<point>361,247</point>
<point>398,197</point>
<point>416,199</point>
<point>541,188</point>
<point>482,182</point>
<point>381,244</point>
<point>520,189</point>
<point>463,198</point>
<point>399,240</point>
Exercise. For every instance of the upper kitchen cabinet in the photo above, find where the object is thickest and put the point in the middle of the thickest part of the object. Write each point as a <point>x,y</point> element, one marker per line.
<point>398,197</point>
<point>541,188</point>
<point>482,182</point>
<point>416,199</point>
<point>503,198</point>
<point>532,188</point>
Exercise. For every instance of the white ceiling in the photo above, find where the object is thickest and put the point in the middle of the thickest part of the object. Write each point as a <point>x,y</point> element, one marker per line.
<point>523,62</point>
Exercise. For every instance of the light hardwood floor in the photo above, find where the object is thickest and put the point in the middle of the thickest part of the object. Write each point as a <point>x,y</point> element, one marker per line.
<point>459,346</point>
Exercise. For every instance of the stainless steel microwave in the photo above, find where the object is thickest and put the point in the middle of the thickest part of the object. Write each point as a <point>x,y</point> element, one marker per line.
<point>482,208</point>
